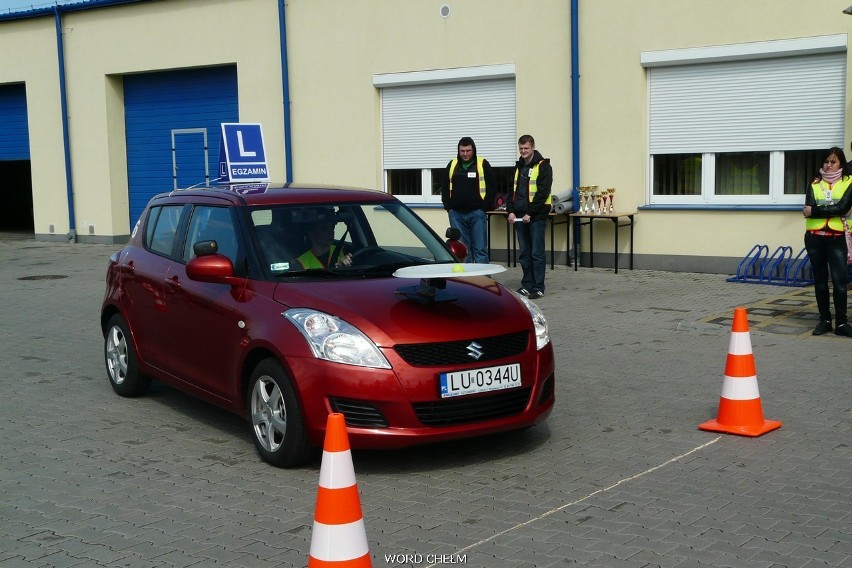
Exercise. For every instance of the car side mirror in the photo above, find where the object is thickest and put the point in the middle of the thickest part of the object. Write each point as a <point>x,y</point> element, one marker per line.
<point>215,268</point>
<point>204,248</point>
<point>457,247</point>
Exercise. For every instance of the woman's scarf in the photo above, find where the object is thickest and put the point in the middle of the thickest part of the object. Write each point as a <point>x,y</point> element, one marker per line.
<point>831,177</point>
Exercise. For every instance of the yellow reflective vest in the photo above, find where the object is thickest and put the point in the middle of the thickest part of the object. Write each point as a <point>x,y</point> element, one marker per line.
<point>835,192</point>
<point>533,183</point>
<point>480,171</point>
<point>309,260</point>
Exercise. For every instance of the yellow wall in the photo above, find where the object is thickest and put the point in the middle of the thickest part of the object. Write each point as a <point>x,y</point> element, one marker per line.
<point>614,109</point>
<point>335,52</point>
<point>101,45</point>
<point>36,38</point>
<point>335,49</point>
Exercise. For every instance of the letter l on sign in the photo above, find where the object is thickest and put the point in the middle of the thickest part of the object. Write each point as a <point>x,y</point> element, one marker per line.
<point>243,152</point>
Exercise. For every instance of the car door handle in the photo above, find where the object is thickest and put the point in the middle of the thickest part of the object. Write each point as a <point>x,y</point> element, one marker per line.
<point>173,282</point>
<point>129,268</point>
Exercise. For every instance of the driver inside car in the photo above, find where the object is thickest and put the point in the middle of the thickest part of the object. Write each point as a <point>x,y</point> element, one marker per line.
<point>323,251</point>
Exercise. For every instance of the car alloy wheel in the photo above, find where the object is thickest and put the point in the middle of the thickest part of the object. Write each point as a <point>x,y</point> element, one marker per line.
<point>120,359</point>
<point>116,355</point>
<point>268,413</point>
<point>276,419</point>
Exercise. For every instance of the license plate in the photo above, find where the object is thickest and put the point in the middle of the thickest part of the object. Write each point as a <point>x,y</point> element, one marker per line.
<point>487,379</point>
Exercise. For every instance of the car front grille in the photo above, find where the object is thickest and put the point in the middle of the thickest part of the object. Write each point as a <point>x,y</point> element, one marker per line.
<point>448,412</point>
<point>457,352</point>
<point>359,414</point>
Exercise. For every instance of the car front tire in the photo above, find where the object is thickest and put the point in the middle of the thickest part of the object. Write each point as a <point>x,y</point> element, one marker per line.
<point>277,425</point>
<point>120,357</point>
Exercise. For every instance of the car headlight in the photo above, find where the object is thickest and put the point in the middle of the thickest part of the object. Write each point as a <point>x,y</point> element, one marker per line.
<point>334,340</point>
<point>542,335</point>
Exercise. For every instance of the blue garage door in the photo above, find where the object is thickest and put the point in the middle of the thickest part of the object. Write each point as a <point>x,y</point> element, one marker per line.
<point>14,133</point>
<point>172,126</point>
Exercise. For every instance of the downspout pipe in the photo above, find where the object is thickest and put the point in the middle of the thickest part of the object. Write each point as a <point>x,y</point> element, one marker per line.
<point>63,101</point>
<point>575,99</point>
<point>285,81</point>
<point>575,118</point>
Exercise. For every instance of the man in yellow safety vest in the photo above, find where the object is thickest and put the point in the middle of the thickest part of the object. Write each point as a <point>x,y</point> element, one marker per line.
<point>467,192</point>
<point>528,208</point>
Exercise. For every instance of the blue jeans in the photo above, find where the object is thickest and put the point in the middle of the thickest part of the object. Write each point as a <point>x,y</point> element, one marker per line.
<point>473,226</point>
<point>828,257</point>
<point>532,257</point>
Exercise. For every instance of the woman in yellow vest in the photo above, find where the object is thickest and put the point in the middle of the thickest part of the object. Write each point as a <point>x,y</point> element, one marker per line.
<point>827,203</point>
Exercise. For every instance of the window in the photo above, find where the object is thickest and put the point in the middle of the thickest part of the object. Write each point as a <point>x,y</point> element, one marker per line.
<point>161,228</point>
<point>424,114</point>
<point>799,170</point>
<point>742,173</point>
<point>212,224</point>
<point>677,174</point>
<point>743,124</point>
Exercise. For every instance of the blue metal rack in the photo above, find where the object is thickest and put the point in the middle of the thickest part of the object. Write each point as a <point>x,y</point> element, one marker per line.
<point>751,266</point>
<point>779,269</point>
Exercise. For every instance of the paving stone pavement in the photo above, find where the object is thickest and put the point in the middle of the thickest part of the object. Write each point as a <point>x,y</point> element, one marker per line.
<point>618,476</point>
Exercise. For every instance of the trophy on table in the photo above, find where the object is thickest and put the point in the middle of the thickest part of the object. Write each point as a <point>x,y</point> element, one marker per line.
<point>611,192</point>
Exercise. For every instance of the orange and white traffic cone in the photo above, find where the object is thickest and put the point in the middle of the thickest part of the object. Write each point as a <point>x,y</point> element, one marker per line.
<point>339,539</point>
<point>740,411</point>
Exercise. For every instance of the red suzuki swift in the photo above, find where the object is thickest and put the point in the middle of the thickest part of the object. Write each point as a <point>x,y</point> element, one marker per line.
<point>284,304</point>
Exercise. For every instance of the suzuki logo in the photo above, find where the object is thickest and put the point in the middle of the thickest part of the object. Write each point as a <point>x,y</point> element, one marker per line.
<point>475,350</point>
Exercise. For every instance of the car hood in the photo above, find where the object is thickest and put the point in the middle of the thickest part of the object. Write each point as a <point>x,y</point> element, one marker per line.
<point>390,312</point>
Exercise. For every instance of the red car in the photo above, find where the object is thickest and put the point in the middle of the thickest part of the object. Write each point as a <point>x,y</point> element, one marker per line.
<point>284,304</point>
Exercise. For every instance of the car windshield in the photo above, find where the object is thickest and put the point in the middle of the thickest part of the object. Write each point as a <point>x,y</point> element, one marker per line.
<point>338,240</point>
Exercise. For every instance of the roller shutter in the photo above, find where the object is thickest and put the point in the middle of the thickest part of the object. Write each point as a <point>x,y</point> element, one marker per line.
<point>166,117</point>
<point>421,124</point>
<point>784,103</point>
<point>14,132</point>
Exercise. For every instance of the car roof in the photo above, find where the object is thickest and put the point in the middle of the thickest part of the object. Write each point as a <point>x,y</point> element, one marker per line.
<point>260,194</point>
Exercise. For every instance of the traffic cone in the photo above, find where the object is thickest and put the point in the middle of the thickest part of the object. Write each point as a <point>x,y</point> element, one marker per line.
<point>339,539</point>
<point>740,411</point>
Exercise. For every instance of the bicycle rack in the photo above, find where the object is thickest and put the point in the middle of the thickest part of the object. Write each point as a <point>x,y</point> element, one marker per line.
<point>779,269</point>
<point>750,267</point>
<point>774,269</point>
<point>799,270</point>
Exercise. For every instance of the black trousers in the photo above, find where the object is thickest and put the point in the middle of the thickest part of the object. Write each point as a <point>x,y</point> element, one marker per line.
<point>828,257</point>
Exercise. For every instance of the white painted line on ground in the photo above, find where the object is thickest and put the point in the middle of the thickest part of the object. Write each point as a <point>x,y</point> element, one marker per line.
<point>590,495</point>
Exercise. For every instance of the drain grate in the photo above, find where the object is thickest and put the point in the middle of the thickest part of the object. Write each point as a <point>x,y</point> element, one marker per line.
<point>44,277</point>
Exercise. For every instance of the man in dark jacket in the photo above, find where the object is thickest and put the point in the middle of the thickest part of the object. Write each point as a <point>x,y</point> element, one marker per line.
<point>467,192</point>
<point>528,208</point>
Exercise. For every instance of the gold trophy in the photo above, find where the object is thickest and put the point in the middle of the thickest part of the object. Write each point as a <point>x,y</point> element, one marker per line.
<point>611,192</point>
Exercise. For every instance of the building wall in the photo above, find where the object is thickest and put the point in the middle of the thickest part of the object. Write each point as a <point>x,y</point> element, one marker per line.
<point>336,48</point>
<point>38,71</point>
<point>102,45</point>
<point>336,52</point>
<point>614,111</point>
